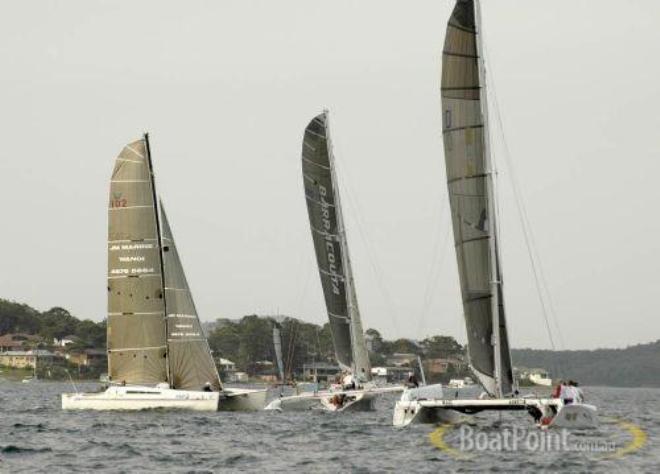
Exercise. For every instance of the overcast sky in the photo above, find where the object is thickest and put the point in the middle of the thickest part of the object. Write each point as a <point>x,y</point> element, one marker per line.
<point>225,89</point>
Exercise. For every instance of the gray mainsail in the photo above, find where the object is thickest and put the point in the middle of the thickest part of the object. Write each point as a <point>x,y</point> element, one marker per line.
<point>137,349</point>
<point>472,196</point>
<point>328,234</point>
<point>190,360</point>
<point>277,342</point>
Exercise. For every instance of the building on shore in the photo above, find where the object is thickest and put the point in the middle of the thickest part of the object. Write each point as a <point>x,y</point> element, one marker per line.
<point>17,342</point>
<point>88,357</point>
<point>25,359</point>
<point>320,371</point>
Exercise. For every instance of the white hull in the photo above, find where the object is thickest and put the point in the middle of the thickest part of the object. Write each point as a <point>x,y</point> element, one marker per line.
<point>408,410</point>
<point>542,381</point>
<point>576,415</point>
<point>353,400</point>
<point>553,411</point>
<point>145,398</point>
<point>243,399</point>
<point>141,398</point>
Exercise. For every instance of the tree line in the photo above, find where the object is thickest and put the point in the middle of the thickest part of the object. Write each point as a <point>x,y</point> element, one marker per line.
<point>55,323</point>
<point>249,340</point>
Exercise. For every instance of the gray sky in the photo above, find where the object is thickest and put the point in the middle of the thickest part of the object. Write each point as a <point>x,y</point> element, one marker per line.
<point>226,88</point>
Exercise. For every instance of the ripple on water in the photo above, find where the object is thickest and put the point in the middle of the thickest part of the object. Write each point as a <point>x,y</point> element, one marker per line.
<point>13,449</point>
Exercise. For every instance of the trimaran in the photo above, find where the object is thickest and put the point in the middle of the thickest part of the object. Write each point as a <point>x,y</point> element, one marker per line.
<point>334,264</point>
<point>158,355</point>
<point>472,198</point>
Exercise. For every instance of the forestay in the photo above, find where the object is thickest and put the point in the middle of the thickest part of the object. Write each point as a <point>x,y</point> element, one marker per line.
<point>472,204</point>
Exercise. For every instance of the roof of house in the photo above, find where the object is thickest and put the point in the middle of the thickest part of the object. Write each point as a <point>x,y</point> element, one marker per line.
<point>36,352</point>
<point>16,339</point>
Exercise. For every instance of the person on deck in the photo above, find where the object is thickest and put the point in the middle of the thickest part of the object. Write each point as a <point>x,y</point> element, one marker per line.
<point>575,392</point>
<point>567,394</point>
<point>207,387</point>
<point>362,378</point>
<point>412,380</point>
<point>349,382</point>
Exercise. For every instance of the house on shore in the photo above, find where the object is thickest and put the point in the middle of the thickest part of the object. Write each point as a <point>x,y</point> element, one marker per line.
<point>18,342</point>
<point>25,359</point>
<point>88,357</point>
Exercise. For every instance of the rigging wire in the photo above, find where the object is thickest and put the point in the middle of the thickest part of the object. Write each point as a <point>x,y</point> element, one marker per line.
<point>543,292</point>
<point>357,215</point>
<point>439,254</point>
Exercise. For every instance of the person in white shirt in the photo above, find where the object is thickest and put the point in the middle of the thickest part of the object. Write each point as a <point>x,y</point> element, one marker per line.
<point>348,382</point>
<point>576,392</point>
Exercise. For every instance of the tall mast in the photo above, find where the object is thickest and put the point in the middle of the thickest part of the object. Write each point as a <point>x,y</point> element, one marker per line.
<point>357,334</point>
<point>492,226</point>
<point>160,249</point>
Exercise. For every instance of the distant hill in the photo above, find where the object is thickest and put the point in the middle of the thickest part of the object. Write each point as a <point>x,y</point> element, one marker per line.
<point>634,366</point>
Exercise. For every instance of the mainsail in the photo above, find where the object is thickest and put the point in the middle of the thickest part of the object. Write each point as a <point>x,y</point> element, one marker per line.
<point>328,233</point>
<point>137,346</point>
<point>472,196</point>
<point>191,363</point>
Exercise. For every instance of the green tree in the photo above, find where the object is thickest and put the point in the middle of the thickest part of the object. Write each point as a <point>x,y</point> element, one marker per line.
<point>441,347</point>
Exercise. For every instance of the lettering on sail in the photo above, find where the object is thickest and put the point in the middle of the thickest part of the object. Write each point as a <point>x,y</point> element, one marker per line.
<point>118,201</point>
<point>131,271</point>
<point>116,247</point>
<point>329,244</point>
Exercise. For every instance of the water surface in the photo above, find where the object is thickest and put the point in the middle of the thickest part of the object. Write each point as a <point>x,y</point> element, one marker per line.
<point>37,436</point>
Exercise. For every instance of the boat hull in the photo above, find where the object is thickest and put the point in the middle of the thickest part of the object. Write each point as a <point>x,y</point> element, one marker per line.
<point>141,398</point>
<point>243,400</point>
<point>353,400</point>
<point>553,410</point>
<point>576,416</point>
<point>409,412</point>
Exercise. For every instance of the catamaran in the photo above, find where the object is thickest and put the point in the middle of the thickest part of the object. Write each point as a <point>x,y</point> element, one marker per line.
<point>158,355</point>
<point>355,391</point>
<point>472,197</point>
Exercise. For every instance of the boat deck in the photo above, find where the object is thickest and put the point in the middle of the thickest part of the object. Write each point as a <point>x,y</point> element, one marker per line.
<point>501,404</point>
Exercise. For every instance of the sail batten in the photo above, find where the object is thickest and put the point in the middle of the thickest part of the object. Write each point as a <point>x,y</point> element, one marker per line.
<point>469,181</point>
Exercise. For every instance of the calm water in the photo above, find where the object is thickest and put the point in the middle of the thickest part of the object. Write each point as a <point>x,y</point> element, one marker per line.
<point>36,436</point>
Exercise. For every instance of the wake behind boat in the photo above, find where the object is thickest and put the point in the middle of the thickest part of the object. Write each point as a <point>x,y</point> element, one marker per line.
<point>472,197</point>
<point>329,235</point>
<point>158,355</point>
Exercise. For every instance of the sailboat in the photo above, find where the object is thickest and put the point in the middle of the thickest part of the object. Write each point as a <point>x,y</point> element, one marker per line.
<point>472,198</point>
<point>158,355</point>
<point>336,273</point>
